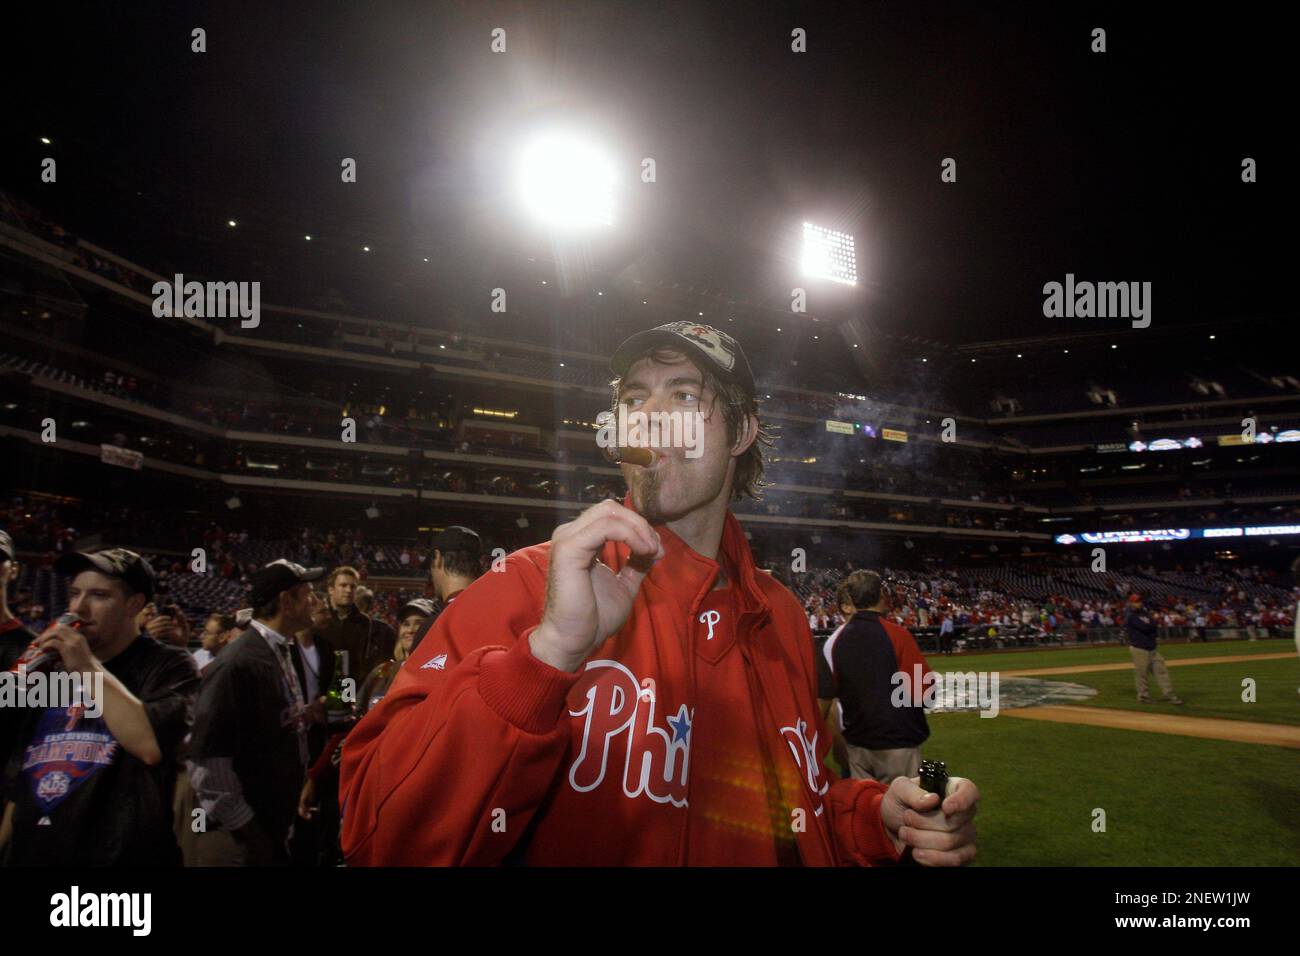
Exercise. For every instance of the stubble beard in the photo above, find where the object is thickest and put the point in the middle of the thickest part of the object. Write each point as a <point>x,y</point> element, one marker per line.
<point>647,491</point>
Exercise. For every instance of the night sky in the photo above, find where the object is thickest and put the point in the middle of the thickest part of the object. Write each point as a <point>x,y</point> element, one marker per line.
<point>1121,166</point>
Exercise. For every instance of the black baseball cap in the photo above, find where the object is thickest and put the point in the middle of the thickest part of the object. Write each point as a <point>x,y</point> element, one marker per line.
<point>454,538</point>
<point>458,538</point>
<point>114,562</point>
<point>270,580</point>
<point>715,349</point>
<point>416,606</point>
<point>7,552</point>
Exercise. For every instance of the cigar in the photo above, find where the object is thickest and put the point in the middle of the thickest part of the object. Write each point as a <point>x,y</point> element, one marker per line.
<point>634,456</point>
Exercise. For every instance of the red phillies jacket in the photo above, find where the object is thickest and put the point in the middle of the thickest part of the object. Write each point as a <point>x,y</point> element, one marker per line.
<point>482,754</point>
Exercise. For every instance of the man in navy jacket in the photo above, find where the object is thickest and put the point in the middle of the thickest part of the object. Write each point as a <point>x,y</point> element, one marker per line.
<point>1142,645</point>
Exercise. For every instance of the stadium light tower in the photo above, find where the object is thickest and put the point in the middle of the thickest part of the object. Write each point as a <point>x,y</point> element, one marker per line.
<point>567,182</point>
<point>828,254</point>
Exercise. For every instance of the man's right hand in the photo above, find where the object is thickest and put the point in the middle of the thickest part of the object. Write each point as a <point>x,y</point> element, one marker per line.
<point>585,600</point>
<point>307,805</point>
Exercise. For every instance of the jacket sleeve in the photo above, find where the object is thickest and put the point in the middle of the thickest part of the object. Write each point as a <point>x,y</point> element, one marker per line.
<point>451,766</point>
<point>854,806</point>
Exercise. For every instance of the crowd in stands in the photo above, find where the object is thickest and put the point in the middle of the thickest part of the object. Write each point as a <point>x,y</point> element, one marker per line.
<point>1024,602</point>
<point>979,487</point>
<point>26,216</point>
<point>1051,596</point>
<point>1051,602</point>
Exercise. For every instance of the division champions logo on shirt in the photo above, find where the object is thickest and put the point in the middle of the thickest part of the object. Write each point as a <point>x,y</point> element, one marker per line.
<point>67,749</point>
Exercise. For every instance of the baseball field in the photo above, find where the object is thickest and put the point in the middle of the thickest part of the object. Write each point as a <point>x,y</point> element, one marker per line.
<point>1214,782</point>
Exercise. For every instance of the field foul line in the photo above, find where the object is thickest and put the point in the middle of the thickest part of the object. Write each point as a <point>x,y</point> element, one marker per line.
<point>1128,665</point>
<point>1212,728</point>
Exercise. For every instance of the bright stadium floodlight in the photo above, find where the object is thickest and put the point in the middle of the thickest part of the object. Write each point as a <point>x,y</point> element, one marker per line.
<point>567,183</point>
<point>828,254</point>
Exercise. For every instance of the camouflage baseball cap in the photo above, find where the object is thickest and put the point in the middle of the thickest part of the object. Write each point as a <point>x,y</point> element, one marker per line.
<point>114,562</point>
<point>417,606</point>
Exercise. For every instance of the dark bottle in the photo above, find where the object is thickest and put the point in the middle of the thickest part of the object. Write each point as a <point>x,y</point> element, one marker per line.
<point>934,777</point>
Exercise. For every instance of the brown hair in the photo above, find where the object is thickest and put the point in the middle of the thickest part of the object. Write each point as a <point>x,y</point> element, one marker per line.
<point>342,569</point>
<point>225,620</point>
<point>737,405</point>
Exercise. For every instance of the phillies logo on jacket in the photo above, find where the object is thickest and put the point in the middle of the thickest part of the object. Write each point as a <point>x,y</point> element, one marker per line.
<point>805,758</point>
<point>620,721</point>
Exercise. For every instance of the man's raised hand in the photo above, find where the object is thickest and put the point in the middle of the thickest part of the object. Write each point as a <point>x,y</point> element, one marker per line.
<point>585,600</point>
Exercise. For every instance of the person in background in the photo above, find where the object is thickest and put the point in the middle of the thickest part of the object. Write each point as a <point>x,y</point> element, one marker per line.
<point>319,796</point>
<point>88,790</point>
<point>453,565</point>
<point>14,636</point>
<point>945,634</point>
<point>413,618</point>
<point>883,739</point>
<point>363,640</point>
<point>313,662</point>
<point>218,631</point>
<point>382,635</point>
<point>248,750</point>
<point>1146,659</point>
<point>165,623</point>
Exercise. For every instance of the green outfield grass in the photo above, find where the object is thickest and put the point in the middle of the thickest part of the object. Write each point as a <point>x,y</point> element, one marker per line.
<point>1169,801</point>
<point>1209,690</point>
<point>1109,654</point>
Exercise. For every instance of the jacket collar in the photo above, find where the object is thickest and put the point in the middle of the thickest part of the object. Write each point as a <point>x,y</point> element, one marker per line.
<point>273,637</point>
<point>688,576</point>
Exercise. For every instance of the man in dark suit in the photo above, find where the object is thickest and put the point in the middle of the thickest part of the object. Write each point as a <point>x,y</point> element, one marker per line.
<point>364,640</point>
<point>313,662</point>
<point>248,749</point>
